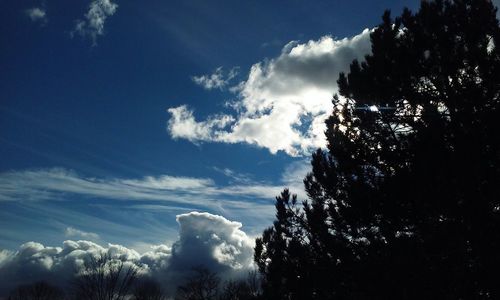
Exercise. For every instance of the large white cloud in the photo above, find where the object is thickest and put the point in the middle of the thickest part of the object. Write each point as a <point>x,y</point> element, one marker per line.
<point>284,102</point>
<point>205,237</point>
<point>204,240</point>
<point>92,25</point>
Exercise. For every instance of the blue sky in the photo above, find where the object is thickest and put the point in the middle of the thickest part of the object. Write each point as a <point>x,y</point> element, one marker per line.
<point>117,118</point>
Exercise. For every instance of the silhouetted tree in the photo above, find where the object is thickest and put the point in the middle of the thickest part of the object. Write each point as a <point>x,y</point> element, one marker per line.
<point>37,291</point>
<point>148,289</point>
<point>104,278</point>
<point>235,290</point>
<point>254,282</point>
<point>203,285</point>
<point>243,289</point>
<point>405,203</point>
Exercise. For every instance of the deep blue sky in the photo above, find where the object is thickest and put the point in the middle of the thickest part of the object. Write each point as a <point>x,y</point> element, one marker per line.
<point>98,112</point>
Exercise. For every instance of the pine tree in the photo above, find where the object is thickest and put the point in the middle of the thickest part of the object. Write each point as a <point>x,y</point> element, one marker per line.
<point>405,202</point>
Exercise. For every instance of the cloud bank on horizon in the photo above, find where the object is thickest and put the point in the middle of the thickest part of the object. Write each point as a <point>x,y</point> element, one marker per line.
<point>204,240</point>
<point>283,104</point>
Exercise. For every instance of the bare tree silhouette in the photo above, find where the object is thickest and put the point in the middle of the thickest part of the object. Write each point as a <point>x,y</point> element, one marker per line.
<point>104,278</point>
<point>203,285</point>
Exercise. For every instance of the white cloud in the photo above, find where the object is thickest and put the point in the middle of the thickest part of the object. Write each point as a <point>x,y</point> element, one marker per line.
<point>71,232</point>
<point>37,14</point>
<point>204,239</point>
<point>284,102</point>
<point>241,198</point>
<point>295,173</point>
<point>216,80</point>
<point>182,124</point>
<point>93,24</point>
<point>234,176</point>
<point>203,193</point>
<point>211,241</point>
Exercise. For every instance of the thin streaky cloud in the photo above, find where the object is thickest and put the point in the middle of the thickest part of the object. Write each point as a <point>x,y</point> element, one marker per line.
<point>233,175</point>
<point>57,183</point>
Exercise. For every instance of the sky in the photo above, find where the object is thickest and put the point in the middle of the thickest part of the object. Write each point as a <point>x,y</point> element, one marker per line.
<point>161,131</point>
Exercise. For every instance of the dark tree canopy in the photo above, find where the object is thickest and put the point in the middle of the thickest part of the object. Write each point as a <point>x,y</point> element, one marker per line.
<point>207,285</point>
<point>37,291</point>
<point>405,204</point>
<point>203,285</point>
<point>148,289</point>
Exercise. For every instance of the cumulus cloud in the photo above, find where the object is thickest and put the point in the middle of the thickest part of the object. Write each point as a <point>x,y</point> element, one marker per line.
<point>210,241</point>
<point>204,239</point>
<point>216,80</point>
<point>283,103</point>
<point>92,25</point>
<point>71,232</point>
<point>37,14</point>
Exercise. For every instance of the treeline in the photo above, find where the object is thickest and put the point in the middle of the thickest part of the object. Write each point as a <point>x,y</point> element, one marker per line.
<point>103,278</point>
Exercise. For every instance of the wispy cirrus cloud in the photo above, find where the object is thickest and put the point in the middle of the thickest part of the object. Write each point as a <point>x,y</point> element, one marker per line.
<point>58,183</point>
<point>283,103</point>
<point>58,194</point>
<point>92,25</point>
<point>234,176</point>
